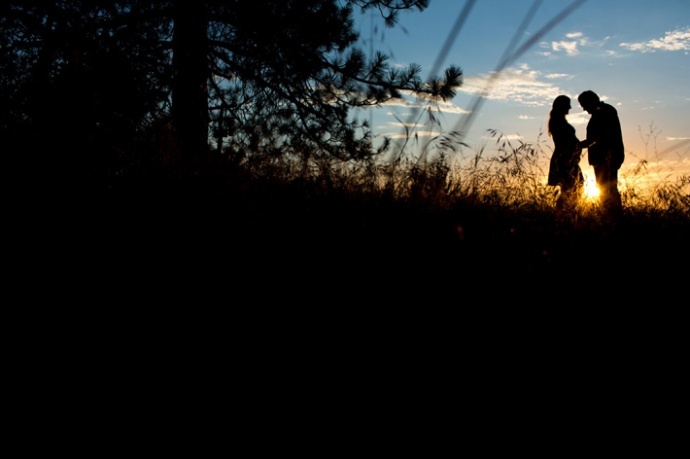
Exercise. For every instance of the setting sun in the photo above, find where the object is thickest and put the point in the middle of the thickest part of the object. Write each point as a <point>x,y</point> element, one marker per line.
<point>591,191</point>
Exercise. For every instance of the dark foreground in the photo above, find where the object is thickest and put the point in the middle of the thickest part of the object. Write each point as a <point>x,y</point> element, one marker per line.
<point>198,239</point>
<point>280,290</point>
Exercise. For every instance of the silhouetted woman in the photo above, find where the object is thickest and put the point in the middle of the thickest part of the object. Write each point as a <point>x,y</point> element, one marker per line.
<point>564,167</point>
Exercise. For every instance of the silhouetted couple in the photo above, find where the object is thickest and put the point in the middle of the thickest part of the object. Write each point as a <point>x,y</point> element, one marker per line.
<point>605,152</point>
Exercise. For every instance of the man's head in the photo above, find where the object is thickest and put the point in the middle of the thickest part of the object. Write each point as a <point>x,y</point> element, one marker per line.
<point>588,101</point>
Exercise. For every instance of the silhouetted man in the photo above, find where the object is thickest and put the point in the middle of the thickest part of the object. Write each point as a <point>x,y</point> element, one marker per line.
<point>605,150</point>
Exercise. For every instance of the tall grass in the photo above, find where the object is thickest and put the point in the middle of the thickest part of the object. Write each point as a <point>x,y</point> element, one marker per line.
<point>502,173</point>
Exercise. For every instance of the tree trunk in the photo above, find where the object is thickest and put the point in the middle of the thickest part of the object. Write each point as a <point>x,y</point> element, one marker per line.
<point>190,84</point>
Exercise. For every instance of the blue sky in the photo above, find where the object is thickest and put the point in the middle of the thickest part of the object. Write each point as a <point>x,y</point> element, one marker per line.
<point>635,54</point>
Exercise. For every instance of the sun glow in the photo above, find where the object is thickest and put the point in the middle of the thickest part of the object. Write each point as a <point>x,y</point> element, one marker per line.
<point>591,191</point>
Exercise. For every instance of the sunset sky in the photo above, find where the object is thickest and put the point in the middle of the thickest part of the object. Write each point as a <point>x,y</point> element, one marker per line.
<point>635,54</point>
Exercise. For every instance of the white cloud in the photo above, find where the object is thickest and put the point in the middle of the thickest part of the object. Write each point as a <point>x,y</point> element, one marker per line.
<point>397,102</point>
<point>401,130</point>
<point>554,76</point>
<point>514,85</point>
<point>676,40</point>
<point>570,47</point>
<point>578,118</point>
<point>449,107</point>
<point>504,137</point>
<point>408,101</point>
